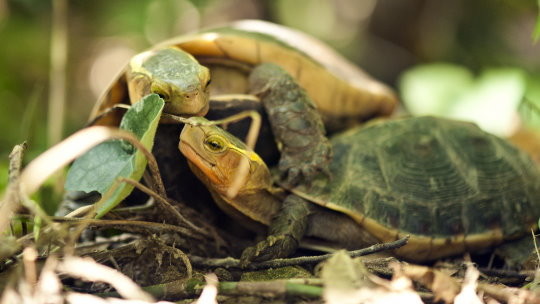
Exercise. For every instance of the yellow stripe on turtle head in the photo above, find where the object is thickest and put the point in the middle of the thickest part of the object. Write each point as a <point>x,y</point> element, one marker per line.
<point>252,156</point>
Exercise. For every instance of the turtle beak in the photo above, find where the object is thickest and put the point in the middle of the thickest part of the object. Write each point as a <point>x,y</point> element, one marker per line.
<point>193,104</point>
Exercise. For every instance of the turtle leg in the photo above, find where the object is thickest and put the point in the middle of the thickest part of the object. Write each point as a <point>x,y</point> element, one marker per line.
<point>285,232</point>
<point>297,126</point>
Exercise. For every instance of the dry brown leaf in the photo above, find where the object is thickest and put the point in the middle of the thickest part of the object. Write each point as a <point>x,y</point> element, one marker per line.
<point>346,281</point>
<point>468,290</point>
<point>443,286</point>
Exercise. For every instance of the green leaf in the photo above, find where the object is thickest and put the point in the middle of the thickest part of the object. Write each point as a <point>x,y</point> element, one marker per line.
<point>430,89</point>
<point>99,168</point>
<point>493,101</point>
<point>490,100</point>
<point>530,109</point>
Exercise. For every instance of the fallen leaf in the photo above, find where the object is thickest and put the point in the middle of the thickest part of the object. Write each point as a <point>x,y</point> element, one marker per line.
<point>468,290</point>
<point>443,286</point>
<point>347,281</point>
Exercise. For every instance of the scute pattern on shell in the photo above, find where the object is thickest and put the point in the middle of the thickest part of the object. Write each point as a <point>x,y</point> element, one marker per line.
<point>186,70</point>
<point>432,177</point>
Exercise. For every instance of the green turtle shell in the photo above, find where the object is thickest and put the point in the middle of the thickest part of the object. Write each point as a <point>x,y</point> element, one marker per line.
<point>449,185</point>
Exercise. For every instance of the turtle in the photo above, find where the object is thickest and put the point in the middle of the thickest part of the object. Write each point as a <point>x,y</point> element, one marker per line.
<point>179,70</point>
<point>305,87</point>
<point>450,186</point>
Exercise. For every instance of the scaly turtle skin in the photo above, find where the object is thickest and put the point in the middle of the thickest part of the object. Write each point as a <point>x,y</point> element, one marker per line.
<point>342,92</point>
<point>450,186</point>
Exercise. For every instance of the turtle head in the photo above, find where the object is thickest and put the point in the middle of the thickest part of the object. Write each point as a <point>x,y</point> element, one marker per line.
<point>214,156</point>
<point>173,74</point>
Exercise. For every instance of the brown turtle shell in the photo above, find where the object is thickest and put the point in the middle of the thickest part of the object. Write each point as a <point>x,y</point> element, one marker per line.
<point>343,93</point>
<point>449,185</point>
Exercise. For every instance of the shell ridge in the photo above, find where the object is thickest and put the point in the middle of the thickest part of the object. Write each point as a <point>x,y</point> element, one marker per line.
<point>464,168</point>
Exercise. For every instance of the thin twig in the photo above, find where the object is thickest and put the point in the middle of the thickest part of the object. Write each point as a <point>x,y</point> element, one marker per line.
<point>107,112</point>
<point>506,294</point>
<point>125,225</point>
<point>46,164</point>
<point>243,168</point>
<point>153,167</point>
<point>503,273</point>
<point>535,245</point>
<point>164,204</point>
<point>235,263</point>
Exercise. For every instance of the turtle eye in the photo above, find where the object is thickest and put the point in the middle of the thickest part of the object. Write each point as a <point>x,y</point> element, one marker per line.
<point>214,144</point>
<point>208,82</point>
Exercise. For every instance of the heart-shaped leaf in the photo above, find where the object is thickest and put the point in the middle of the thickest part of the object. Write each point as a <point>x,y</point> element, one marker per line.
<point>99,168</point>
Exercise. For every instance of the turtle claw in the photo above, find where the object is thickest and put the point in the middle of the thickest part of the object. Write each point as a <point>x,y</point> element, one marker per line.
<point>299,175</point>
<point>273,247</point>
<point>293,175</point>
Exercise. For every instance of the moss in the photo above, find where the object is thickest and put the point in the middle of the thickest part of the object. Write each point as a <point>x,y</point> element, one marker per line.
<point>288,272</point>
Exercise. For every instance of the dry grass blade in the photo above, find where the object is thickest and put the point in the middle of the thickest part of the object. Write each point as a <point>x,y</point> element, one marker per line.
<point>128,225</point>
<point>210,291</point>
<point>46,164</point>
<point>87,269</point>
<point>29,259</point>
<point>49,287</point>
<point>251,140</point>
<point>74,146</point>
<point>535,245</point>
<point>165,205</point>
<point>49,162</point>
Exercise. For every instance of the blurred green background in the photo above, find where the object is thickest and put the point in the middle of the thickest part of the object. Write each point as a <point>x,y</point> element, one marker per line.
<point>477,54</point>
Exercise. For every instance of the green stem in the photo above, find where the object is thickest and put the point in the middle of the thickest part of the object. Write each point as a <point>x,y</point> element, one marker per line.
<point>193,287</point>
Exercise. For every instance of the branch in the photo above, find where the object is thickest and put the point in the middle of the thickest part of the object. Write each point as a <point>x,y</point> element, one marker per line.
<point>235,263</point>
